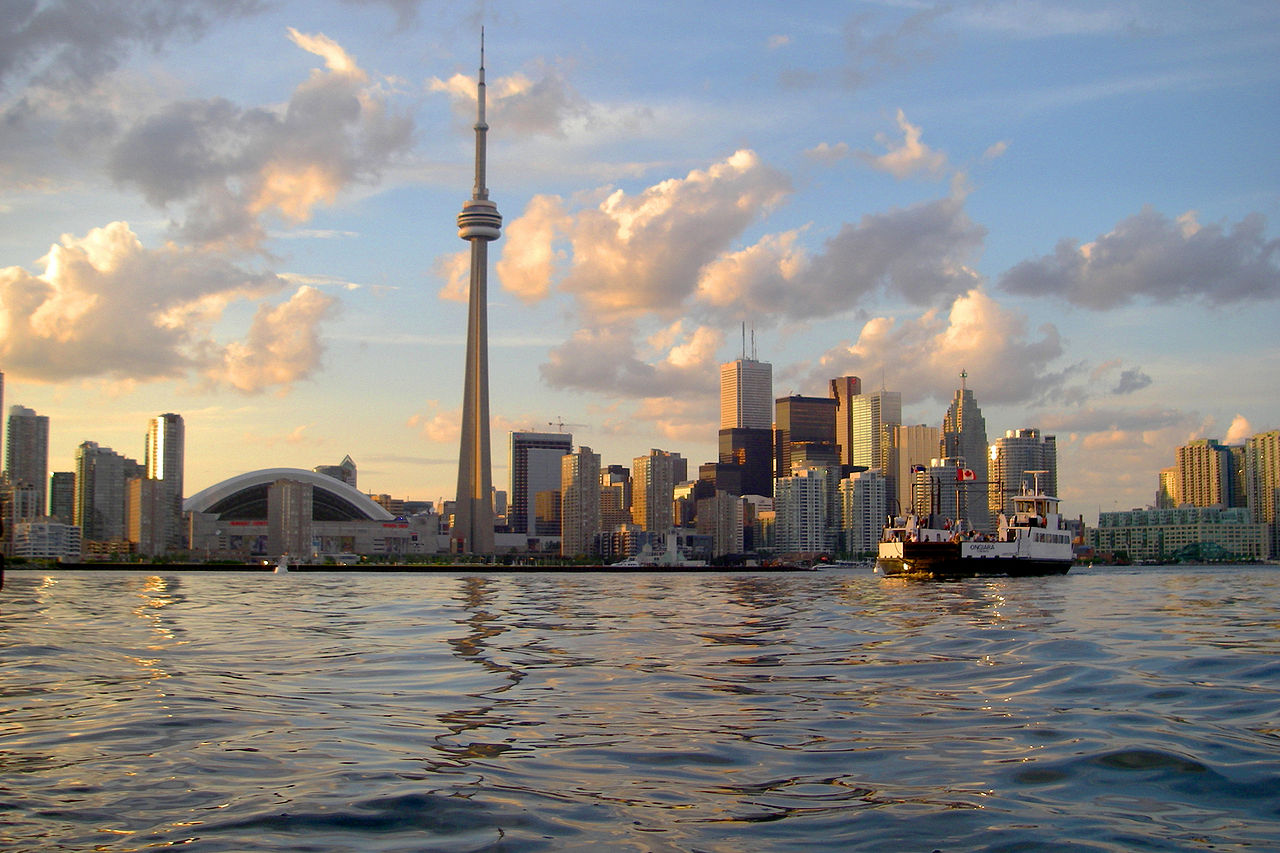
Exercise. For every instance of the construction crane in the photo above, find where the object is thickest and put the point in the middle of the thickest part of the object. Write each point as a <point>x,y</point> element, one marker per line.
<point>560,424</point>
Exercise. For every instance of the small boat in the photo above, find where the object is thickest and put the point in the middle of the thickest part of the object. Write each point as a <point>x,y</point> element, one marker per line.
<point>1035,541</point>
<point>282,565</point>
<point>670,558</point>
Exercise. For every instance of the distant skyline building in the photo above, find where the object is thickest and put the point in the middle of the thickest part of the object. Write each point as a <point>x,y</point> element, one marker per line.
<point>101,475</point>
<point>165,460</point>
<point>26,456</point>
<point>62,496</point>
<point>615,496</point>
<point>579,502</point>
<point>745,454</point>
<point>964,439</point>
<point>344,471</point>
<point>479,223</point>
<point>864,506</point>
<point>802,503</point>
<point>1262,482</point>
<point>534,467</point>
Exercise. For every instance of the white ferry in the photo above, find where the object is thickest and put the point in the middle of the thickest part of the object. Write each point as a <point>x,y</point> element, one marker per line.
<point>1035,541</point>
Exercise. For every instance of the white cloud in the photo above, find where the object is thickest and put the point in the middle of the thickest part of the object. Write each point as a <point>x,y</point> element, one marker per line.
<point>908,157</point>
<point>106,306</point>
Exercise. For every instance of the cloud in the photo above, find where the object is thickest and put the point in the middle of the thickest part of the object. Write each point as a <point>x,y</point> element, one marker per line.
<point>105,306</point>
<point>282,346</point>
<point>1131,380</point>
<point>434,425</point>
<point>908,158</point>
<point>876,47</point>
<point>635,255</point>
<point>924,356</point>
<point>995,151</point>
<point>545,104</point>
<point>231,167</point>
<point>67,43</point>
<point>607,359</point>
<point>826,153</point>
<point>1149,256</point>
<point>1239,430</point>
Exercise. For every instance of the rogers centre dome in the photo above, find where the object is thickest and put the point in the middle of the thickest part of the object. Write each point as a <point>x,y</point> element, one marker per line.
<point>244,497</point>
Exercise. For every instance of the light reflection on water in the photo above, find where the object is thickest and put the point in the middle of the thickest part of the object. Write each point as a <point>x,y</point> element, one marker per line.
<point>1096,711</point>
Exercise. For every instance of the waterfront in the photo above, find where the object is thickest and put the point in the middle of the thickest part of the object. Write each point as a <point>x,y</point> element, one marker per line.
<point>1104,710</point>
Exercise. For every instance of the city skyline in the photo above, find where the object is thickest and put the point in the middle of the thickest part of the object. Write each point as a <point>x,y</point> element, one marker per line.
<point>1077,206</point>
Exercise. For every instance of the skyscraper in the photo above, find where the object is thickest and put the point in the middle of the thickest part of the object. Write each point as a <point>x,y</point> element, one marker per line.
<point>100,492</point>
<point>479,223</point>
<point>26,457</point>
<point>913,447</point>
<point>964,438</point>
<point>166,443</point>
<point>579,502</point>
<point>805,433</point>
<point>1013,456</point>
<point>1262,482</point>
<point>535,467</point>
<point>746,394</point>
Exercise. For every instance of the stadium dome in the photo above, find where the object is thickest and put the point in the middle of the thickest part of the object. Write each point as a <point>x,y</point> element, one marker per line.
<point>244,497</point>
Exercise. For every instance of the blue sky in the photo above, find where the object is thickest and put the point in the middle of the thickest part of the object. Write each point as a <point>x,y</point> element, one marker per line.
<point>244,212</point>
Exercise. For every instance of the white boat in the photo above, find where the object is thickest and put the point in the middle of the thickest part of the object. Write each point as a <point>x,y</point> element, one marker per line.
<point>670,558</point>
<point>1035,541</point>
<point>282,565</point>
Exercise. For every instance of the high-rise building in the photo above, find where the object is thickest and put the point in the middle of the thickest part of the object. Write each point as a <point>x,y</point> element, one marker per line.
<point>290,518</point>
<point>579,502</point>
<point>1204,473</point>
<point>479,223</point>
<point>535,467</point>
<point>720,516</point>
<point>1013,457</point>
<point>808,421</point>
<point>864,423</point>
<point>165,460</point>
<point>1262,482</point>
<point>1167,496</point>
<point>964,438</point>
<point>746,428</point>
<point>843,390</point>
<point>26,457</point>
<point>653,481</point>
<point>101,475</point>
<point>62,496</point>
<point>746,394</point>
<point>912,448</point>
<point>864,506</point>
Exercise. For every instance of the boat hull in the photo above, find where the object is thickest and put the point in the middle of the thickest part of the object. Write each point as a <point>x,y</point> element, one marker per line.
<point>947,560</point>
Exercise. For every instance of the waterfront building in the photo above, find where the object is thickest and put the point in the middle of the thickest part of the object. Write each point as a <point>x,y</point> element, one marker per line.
<point>653,481</point>
<point>165,460</point>
<point>964,438</point>
<point>864,506</point>
<point>46,540</point>
<point>534,467</point>
<point>1262,482</point>
<point>479,223</point>
<point>1187,533</point>
<point>802,507</point>
<point>579,502</point>
<point>721,517</point>
<point>100,504</point>
<point>26,456</point>
<point>1013,456</point>
<point>344,471</point>
<point>1204,473</point>
<point>804,421</point>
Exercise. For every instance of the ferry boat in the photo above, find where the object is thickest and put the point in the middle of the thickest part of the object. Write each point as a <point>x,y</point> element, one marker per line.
<point>1035,541</point>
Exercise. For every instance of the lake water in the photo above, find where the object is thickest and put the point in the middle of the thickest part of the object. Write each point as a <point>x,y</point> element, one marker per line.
<point>1128,709</point>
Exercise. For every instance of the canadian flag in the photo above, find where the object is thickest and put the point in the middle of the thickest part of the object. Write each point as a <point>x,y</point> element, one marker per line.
<point>965,474</point>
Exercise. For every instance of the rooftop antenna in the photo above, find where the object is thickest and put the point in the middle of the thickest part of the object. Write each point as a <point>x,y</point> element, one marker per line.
<point>753,343</point>
<point>964,374</point>
<point>744,339</point>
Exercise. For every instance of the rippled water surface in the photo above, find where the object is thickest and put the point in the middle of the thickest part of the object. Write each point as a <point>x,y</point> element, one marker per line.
<point>1116,710</point>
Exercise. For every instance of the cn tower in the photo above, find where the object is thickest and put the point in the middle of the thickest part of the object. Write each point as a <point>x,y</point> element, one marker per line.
<point>478,224</point>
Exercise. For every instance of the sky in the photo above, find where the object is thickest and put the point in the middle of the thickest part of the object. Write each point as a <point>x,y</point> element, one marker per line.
<point>243,211</point>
